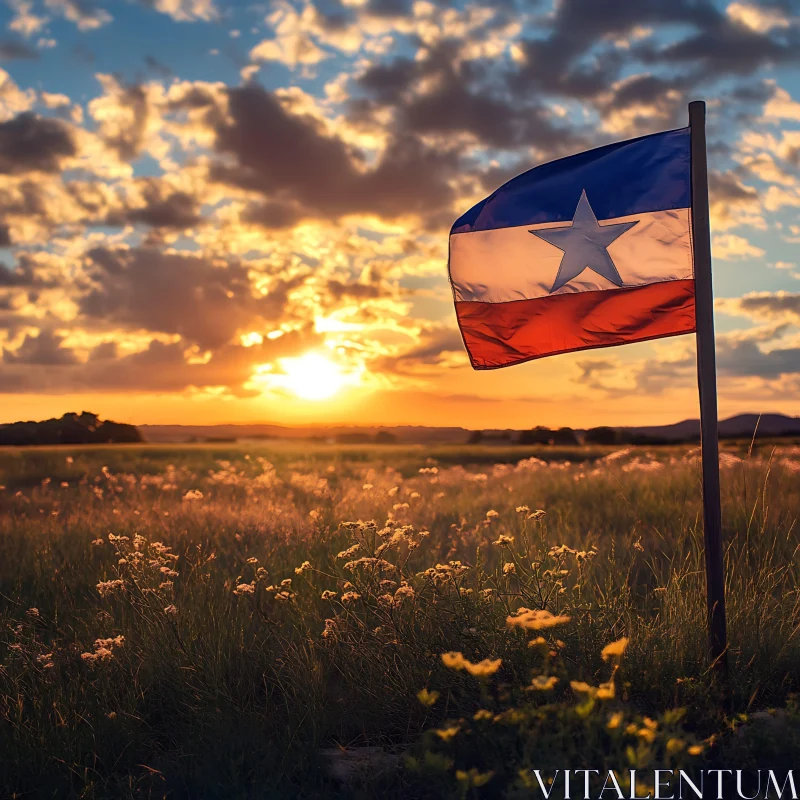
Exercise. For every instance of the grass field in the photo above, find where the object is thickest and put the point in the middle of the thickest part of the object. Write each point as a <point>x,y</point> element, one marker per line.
<point>213,621</point>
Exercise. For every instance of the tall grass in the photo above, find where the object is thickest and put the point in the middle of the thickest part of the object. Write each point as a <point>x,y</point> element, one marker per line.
<point>192,622</point>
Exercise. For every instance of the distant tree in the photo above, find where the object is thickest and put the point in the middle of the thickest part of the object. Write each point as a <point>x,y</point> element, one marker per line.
<point>476,437</point>
<point>384,437</point>
<point>601,435</point>
<point>565,436</point>
<point>537,435</point>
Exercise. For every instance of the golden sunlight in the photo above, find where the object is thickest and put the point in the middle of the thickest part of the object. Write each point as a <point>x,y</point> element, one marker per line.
<point>311,376</point>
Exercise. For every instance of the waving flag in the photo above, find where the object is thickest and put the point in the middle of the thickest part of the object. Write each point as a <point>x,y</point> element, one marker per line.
<point>588,251</point>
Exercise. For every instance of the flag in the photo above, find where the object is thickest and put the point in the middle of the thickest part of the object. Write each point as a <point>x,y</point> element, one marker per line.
<point>588,251</point>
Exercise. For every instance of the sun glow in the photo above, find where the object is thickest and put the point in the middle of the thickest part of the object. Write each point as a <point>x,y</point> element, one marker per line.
<point>311,376</point>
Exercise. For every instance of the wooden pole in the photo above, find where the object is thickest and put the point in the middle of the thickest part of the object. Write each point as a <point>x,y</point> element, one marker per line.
<point>707,384</point>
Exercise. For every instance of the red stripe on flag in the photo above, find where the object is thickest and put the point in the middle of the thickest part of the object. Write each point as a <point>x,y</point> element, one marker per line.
<point>502,334</point>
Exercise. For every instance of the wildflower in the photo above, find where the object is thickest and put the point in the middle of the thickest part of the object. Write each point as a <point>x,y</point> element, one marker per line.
<point>350,597</point>
<point>193,494</point>
<point>97,542</point>
<point>414,495</point>
<point>523,510</point>
<point>456,660</point>
<point>302,568</point>
<point>286,583</point>
<point>330,629</point>
<point>171,611</point>
<point>509,568</point>
<point>542,683</point>
<point>491,514</point>
<point>366,487</point>
<point>538,514</point>
<point>482,714</point>
<point>427,698</point>
<point>64,485</point>
<point>614,721</point>
<point>695,750</point>
<point>646,734</point>
<point>108,587</point>
<point>350,551</point>
<point>252,560</point>
<point>675,746</point>
<point>103,649</point>
<point>446,734</point>
<point>328,595</point>
<point>170,573</point>
<point>166,585</point>
<point>284,597</point>
<point>453,660</point>
<point>473,778</point>
<point>244,588</point>
<point>537,620</point>
<point>579,687</point>
<point>45,661</point>
<point>606,691</point>
<point>503,541</point>
<point>404,592</point>
<point>483,668</point>
<point>33,612</point>
<point>615,649</point>
<point>540,642</point>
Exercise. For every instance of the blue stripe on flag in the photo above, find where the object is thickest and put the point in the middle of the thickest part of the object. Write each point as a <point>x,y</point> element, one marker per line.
<point>651,173</point>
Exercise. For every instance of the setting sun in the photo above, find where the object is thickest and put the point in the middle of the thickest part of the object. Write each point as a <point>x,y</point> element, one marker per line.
<point>311,376</point>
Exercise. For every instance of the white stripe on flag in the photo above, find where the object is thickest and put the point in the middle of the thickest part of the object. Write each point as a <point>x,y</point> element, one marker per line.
<point>504,264</point>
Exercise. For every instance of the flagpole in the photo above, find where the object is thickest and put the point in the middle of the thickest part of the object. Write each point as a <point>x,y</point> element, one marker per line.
<point>707,385</point>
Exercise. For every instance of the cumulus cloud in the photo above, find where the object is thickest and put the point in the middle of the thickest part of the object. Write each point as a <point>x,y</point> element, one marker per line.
<point>86,14</point>
<point>292,159</point>
<point>29,143</point>
<point>204,301</point>
<point>769,306</point>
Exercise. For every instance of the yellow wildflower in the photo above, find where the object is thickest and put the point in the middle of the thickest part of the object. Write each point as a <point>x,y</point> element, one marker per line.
<point>614,720</point>
<point>427,698</point>
<point>536,620</point>
<point>542,683</point>
<point>483,669</point>
<point>615,649</point>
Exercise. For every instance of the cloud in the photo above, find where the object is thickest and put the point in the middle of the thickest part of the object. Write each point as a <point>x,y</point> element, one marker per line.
<point>730,247</point>
<point>159,367</point>
<point>43,350</point>
<point>292,44</point>
<point>293,160</point>
<point>164,208</point>
<point>758,18</point>
<point>770,306</point>
<point>442,95</point>
<point>15,50</point>
<point>185,10</point>
<point>204,301</point>
<point>730,199</point>
<point>782,106</point>
<point>29,143</point>
<point>86,14</point>
<point>25,22</point>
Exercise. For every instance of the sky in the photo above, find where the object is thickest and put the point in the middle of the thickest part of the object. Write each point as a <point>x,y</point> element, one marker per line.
<point>239,212</point>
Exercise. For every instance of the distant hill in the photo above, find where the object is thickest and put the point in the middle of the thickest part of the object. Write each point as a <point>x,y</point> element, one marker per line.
<point>83,428</point>
<point>742,426</point>
<point>738,427</point>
